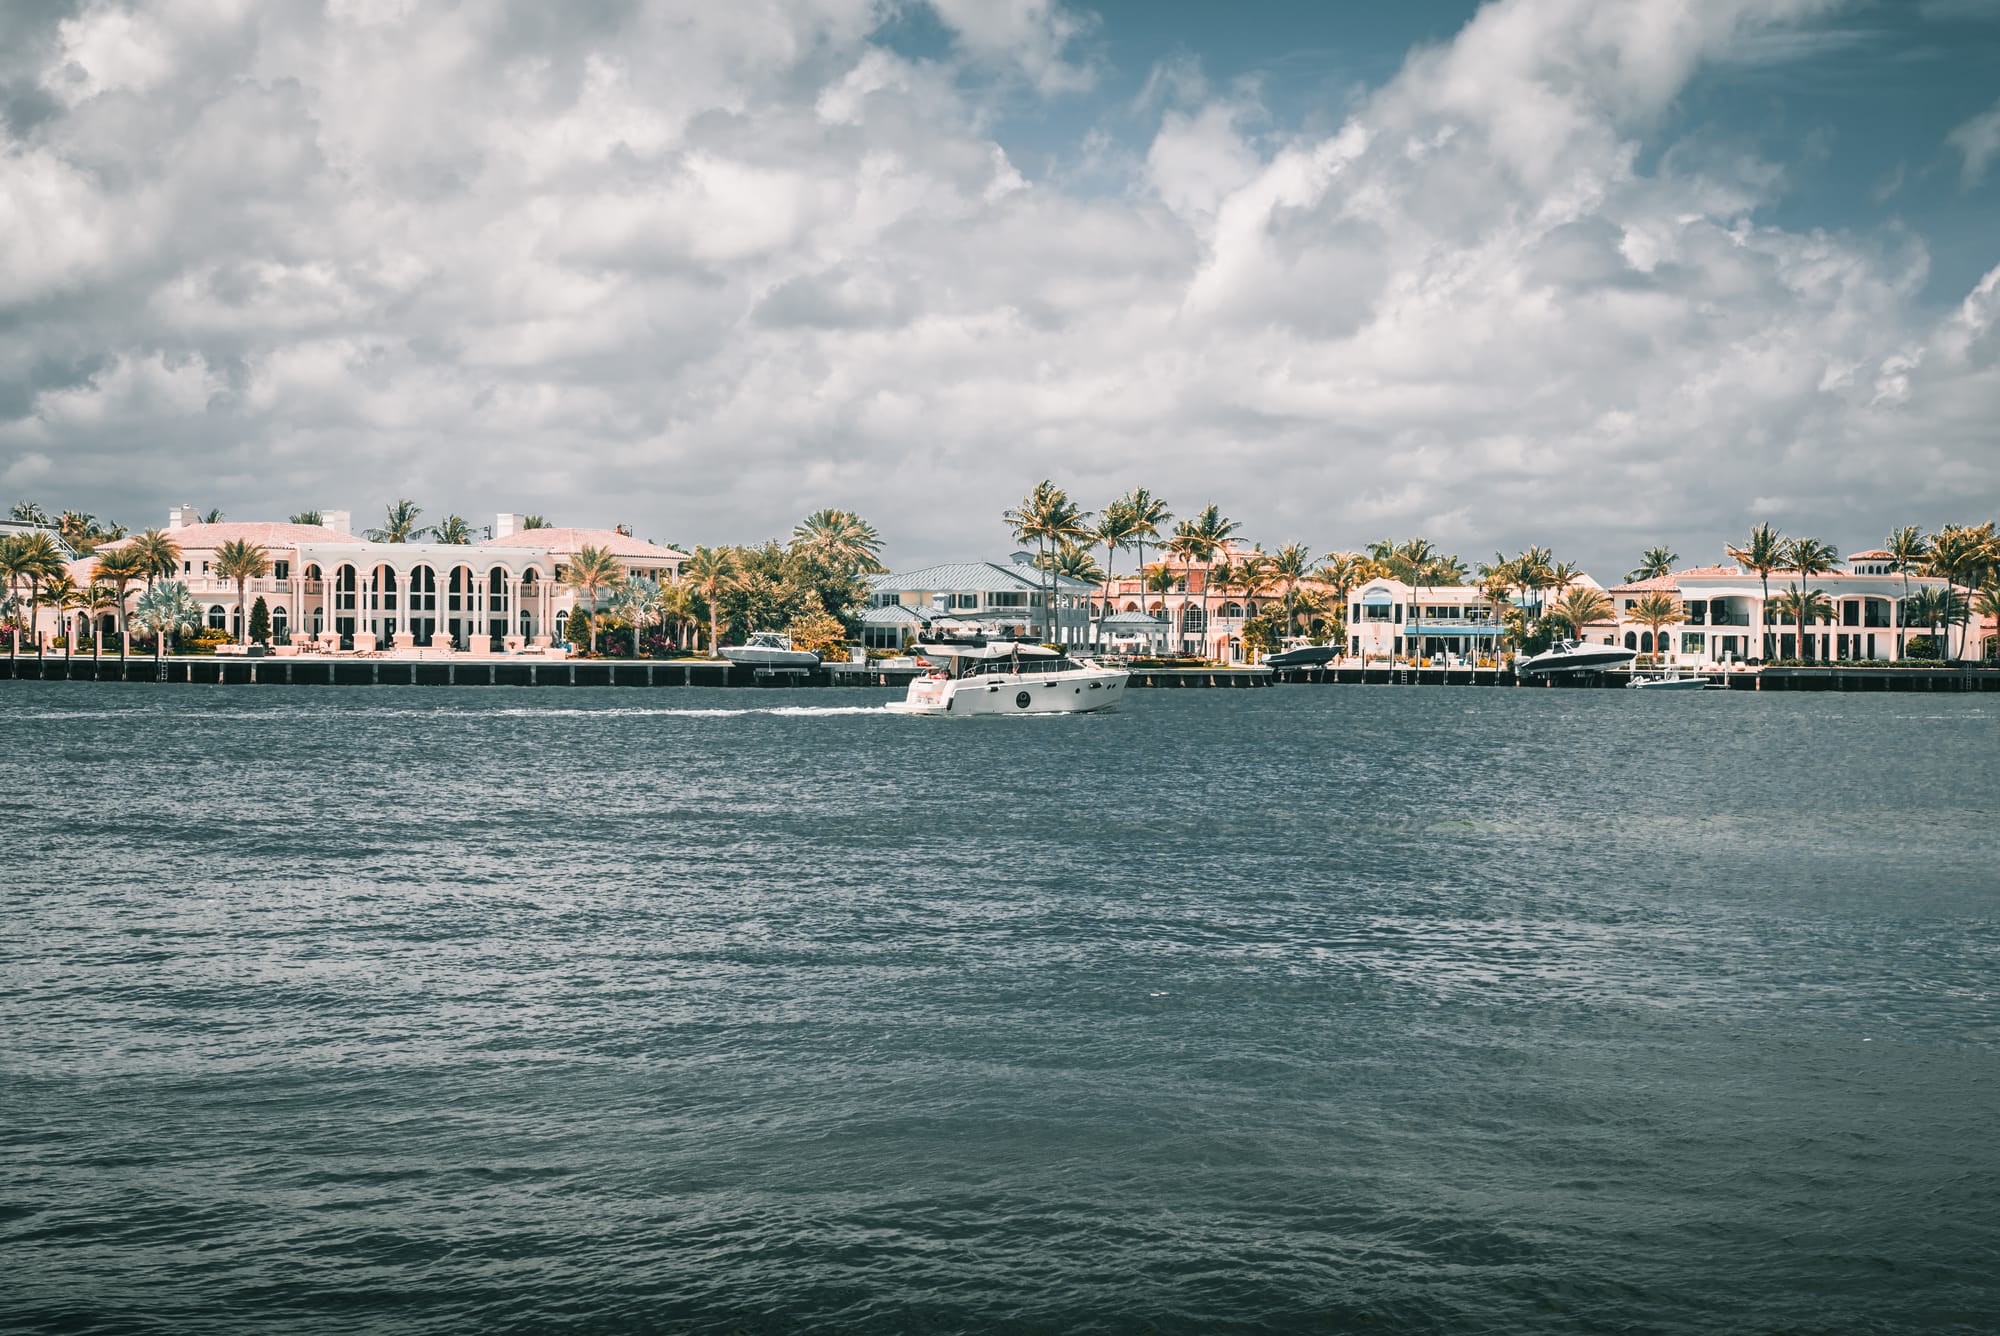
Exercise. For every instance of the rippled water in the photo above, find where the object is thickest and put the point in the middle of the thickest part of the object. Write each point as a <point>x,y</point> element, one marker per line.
<point>1314,1008</point>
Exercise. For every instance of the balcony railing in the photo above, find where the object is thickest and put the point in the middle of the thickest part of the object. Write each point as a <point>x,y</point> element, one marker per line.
<point>1726,619</point>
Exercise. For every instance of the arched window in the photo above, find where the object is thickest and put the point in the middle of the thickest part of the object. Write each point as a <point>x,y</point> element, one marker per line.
<point>1131,606</point>
<point>218,617</point>
<point>1631,641</point>
<point>496,590</point>
<point>343,589</point>
<point>1646,642</point>
<point>562,623</point>
<point>1232,610</point>
<point>281,624</point>
<point>312,572</point>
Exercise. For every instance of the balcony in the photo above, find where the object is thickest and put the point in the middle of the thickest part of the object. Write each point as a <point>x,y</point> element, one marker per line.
<point>1729,619</point>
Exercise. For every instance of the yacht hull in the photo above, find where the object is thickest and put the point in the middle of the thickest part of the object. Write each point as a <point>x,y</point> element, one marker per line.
<point>1668,684</point>
<point>1594,660</point>
<point>757,657</point>
<point>1087,692</point>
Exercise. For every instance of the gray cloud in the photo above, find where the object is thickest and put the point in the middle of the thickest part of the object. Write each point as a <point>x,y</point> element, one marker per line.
<point>702,268</point>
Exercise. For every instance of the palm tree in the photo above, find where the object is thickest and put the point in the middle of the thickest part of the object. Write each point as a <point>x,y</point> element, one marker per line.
<point>712,572</point>
<point>1497,583</point>
<point>75,528</point>
<point>842,540</point>
<point>1116,528</point>
<point>103,598</point>
<point>1148,513</point>
<point>1804,606</point>
<point>27,512</point>
<point>60,592</point>
<point>1909,550</point>
<point>1763,553</point>
<point>533,522</point>
<point>160,554</point>
<point>119,568</point>
<point>399,523</point>
<point>591,571</point>
<point>1962,554</point>
<point>166,609</point>
<point>452,529</point>
<point>1186,544</point>
<point>242,562</point>
<point>1161,580</point>
<point>1291,565</point>
<point>213,516</point>
<point>1583,606</point>
<point>13,570</point>
<point>1809,557</point>
<point>639,600</point>
<point>1654,562</point>
<point>36,560</point>
<point>1653,611</point>
<point>1215,529</point>
<point>313,517</point>
<point>1535,572</point>
<point>1048,518</point>
<point>1929,608</point>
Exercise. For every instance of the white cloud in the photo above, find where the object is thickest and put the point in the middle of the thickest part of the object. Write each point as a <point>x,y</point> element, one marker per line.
<point>705,267</point>
<point>1978,142</point>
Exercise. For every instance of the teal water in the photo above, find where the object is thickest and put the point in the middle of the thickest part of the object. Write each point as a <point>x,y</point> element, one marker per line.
<point>1314,1009</point>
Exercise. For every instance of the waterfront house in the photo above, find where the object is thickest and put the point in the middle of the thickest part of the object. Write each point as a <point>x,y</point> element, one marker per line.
<point>1006,601</point>
<point>328,586</point>
<point>1388,619</point>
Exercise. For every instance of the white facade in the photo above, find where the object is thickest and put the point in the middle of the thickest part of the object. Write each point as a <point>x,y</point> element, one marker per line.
<point>1387,619</point>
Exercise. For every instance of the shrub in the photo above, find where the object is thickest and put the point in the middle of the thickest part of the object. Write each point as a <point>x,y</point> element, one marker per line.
<point>260,622</point>
<point>816,632</point>
<point>1920,647</point>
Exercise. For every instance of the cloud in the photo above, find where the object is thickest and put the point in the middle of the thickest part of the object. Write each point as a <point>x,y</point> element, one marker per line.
<point>1978,142</point>
<point>704,268</point>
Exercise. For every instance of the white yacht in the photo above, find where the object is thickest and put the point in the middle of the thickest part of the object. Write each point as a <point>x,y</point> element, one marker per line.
<point>769,649</point>
<point>1574,656</point>
<point>980,676</point>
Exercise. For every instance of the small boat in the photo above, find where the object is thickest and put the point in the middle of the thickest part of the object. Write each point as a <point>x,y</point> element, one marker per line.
<point>1671,680</point>
<point>979,676</point>
<point>769,649</point>
<point>1304,656</point>
<point>1573,656</point>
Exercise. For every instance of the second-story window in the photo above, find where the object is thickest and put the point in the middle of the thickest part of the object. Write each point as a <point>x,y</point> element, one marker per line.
<point>282,571</point>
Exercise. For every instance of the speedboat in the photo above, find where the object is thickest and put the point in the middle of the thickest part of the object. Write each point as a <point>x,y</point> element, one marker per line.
<point>769,649</point>
<point>979,676</point>
<point>1573,656</point>
<point>1671,680</point>
<point>1304,656</point>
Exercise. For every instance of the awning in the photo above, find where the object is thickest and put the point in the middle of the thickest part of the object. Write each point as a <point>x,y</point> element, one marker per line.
<point>1377,598</point>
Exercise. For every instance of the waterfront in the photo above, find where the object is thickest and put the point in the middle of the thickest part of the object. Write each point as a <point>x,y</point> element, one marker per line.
<point>1292,1009</point>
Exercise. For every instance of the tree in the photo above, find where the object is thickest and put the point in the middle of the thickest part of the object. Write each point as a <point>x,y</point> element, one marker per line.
<point>1148,513</point>
<point>1583,606</point>
<point>27,512</point>
<point>312,517</point>
<point>1804,606</point>
<point>103,598</point>
<point>166,609</point>
<point>1909,550</point>
<point>260,622</point>
<point>213,516</point>
<point>639,600</point>
<point>120,568</point>
<point>1654,611</point>
<point>1048,518</point>
<point>1809,557</point>
<point>160,554</point>
<point>1187,545</point>
<point>533,522</point>
<point>1987,604</point>
<point>1161,580</point>
<point>242,562</point>
<point>399,523</point>
<point>1535,571</point>
<point>1654,563</point>
<point>1930,609</point>
<point>1761,554</point>
<point>1216,530</point>
<point>34,560</point>
<point>1115,529</point>
<point>590,572</point>
<point>452,529</point>
<point>711,572</point>
<point>1291,565</point>
<point>60,592</point>
<point>842,539</point>
<point>816,633</point>
<point>1962,555</point>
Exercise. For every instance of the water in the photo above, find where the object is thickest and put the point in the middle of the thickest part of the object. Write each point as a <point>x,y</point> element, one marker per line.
<point>1304,1009</point>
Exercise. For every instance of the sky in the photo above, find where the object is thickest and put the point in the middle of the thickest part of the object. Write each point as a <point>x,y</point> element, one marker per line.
<point>1590,274</point>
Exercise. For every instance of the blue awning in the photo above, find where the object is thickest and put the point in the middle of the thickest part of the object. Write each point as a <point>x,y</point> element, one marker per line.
<point>1377,598</point>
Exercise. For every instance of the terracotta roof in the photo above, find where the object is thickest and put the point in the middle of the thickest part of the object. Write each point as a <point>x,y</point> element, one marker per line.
<point>1666,584</point>
<point>207,537</point>
<point>1872,554</point>
<point>568,542</point>
<point>1708,570</point>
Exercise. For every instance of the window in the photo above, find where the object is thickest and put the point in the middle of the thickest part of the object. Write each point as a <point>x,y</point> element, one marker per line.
<point>963,601</point>
<point>282,571</point>
<point>1012,599</point>
<point>218,619</point>
<point>1692,642</point>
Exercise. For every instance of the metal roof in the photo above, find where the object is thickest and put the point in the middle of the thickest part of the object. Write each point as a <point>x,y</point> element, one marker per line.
<point>971,577</point>
<point>894,615</point>
<point>1138,619</point>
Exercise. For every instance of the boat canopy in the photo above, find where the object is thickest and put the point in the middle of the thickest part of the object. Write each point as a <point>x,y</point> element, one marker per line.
<point>982,649</point>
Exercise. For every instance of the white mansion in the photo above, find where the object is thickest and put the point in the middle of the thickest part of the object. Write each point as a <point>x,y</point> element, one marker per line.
<point>328,586</point>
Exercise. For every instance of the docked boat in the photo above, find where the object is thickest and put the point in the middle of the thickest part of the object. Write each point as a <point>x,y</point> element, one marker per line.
<point>1671,680</point>
<point>979,676</point>
<point>1303,656</point>
<point>1573,656</point>
<point>769,649</point>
